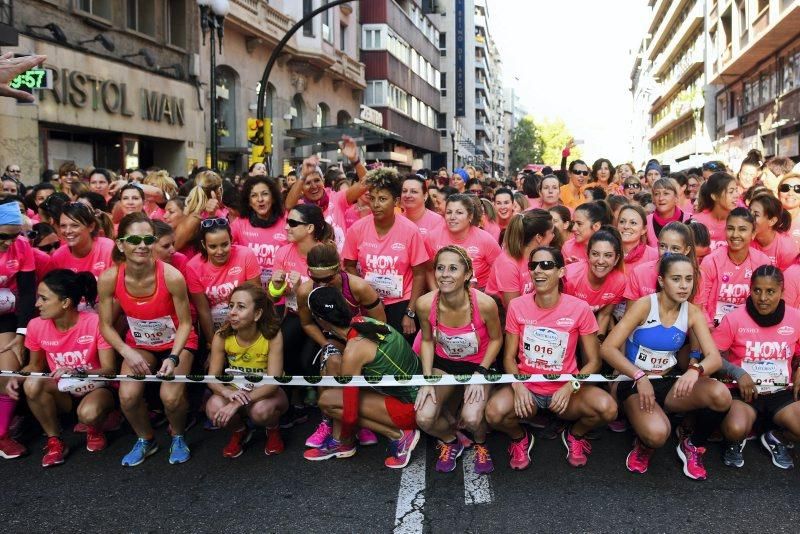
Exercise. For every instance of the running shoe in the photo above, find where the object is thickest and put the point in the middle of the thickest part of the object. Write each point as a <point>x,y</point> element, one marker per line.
<point>578,449</point>
<point>638,459</point>
<point>95,439</point>
<point>520,452</point>
<point>209,425</point>
<point>331,448</point>
<point>235,446</point>
<point>140,451</point>
<point>618,425</point>
<point>113,421</point>
<point>16,427</point>
<point>777,450</point>
<point>692,458</point>
<point>400,449</point>
<point>323,431</point>
<point>10,448</point>
<point>274,444</point>
<point>483,460</point>
<point>448,455</point>
<point>465,440</point>
<point>732,455</point>
<point>178,451</point>
<point>366,437</point>
<point>54,452</point>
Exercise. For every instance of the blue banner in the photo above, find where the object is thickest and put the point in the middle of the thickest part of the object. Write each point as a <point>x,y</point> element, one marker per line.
<point>460,85</point>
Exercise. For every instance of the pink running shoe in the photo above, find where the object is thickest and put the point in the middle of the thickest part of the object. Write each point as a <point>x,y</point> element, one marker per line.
<point>365,436</point>
<point>520,452</point>
<point>638,459</point>
<point>578,449</point>
<point>10,448</point>
<point>692,458</point>
<point>323,431</point>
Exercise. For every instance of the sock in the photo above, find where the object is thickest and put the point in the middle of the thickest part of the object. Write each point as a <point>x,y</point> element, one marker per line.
<point>7,405</point>
<point>706,422</point>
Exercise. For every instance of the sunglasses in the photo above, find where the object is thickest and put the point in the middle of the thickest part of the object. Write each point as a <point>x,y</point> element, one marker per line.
<point>785,188</point>
<point>294,223</point>
<point>582,173</point>
<point>211,223</point>
<point>632,186</point>
<point>8,237</point>
<point>49,248</point>
<point>15,171</point>
<point>136,240</point>
<point>546,265</point>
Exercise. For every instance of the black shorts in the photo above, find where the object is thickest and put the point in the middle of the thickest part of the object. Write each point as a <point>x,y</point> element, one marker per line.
<point>162,355</point>
<point>661,388</point>
<point>454,367</point>
<point>8,323</point>
<point>767,405</point>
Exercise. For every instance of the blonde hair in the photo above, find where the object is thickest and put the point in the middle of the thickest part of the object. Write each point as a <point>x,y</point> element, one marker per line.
<point>162,180</point>
<point>205,183</point>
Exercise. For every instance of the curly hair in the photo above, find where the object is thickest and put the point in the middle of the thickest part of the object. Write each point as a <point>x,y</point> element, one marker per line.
<point>385,178</point>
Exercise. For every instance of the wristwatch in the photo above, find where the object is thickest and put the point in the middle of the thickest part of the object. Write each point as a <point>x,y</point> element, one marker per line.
<point>697,367</point>
<point>411,313</point>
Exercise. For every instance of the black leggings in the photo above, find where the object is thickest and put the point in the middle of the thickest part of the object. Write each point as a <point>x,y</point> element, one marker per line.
<point>299,350</point>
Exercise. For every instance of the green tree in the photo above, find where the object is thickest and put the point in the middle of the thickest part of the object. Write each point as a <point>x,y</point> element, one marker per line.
<point>526,144</point>
<point>555,136</point>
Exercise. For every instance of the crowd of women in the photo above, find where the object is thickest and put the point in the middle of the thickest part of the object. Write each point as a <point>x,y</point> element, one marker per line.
<point>686,283</point>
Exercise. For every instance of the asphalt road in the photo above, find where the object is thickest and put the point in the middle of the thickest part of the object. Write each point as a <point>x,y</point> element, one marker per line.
<point>285,493</point>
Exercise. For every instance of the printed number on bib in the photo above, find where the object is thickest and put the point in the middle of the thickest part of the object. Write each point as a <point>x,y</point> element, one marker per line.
<point>219,314</point>
<point>7,300</point>
<point>657,361</point>
<point>544,348</point>
<point>77,386</point>
<point>767,373</point>
<point>386,285</point>
<point>152,332</point>
<point>723,309</point>
<point>459,346</point>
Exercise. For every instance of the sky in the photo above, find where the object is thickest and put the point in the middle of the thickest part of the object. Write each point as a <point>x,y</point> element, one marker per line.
<point>571,59</point>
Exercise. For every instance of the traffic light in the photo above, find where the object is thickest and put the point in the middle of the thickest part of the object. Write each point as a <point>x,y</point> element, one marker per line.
<point>255,132</point>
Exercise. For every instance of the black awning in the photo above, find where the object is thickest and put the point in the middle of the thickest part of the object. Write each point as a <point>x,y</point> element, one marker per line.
<point>329,136</point>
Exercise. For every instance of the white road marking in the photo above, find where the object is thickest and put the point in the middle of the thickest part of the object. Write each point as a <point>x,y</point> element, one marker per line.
<point>477,488</point>
<point>409,516</point>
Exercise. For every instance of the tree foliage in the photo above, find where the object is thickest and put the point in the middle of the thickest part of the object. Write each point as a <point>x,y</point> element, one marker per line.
<point>554,136</point>
<point>526,144</point>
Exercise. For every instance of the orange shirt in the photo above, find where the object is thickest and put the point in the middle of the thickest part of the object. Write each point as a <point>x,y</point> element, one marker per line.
<point>569,198</point>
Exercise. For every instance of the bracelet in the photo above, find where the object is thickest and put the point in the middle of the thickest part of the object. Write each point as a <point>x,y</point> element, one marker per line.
<point>356,163</point>
<point>639,375</point>
<point>275,292</point>
<point>482,370</point>
<point>576,386</point>
<point>175,359</point>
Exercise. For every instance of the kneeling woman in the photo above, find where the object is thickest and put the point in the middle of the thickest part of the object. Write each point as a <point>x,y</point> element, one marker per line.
<point>651,348</point>
<point>542,333</point>
<point>63,340</point>
<point>372,348</point>
<point>249,342</point>
<point>461,334</point>
<point>153,296</point>
<point>760,339</point>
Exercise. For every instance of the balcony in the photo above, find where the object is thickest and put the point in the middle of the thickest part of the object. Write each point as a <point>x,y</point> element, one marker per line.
<point>679,112</point>
<point>349,71</point>
<point>260,19</point>
<point>687,66</point>
<point>693,21</point>
<point>482,147</point>
<point>480,103</point>
<point>665,25</point>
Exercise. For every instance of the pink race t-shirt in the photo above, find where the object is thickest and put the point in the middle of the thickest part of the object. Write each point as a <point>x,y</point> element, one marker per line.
<point>548,337</point>
<point>716,228</point>
<point>794,231</point>
<point>481,247</point>
<point>77,347</point>
<point>576,283</point>
<point>42,260</point>
<point>650,254</point>
<point>97,261</point>
<point>764,352</point>
<point>573,251</point>
<point>431,223</point>
<point>264,242</point>
<point>791,286</point>
<point>289,260</point>
<point>724,286</point>
<point>386,262</point>
<point>782,252</point>
<point>179,261</point>
<point>642,281</point>
<point>493,229</point>
<point>508,275</point>
<point>18,258</point>
<point>335,215</point>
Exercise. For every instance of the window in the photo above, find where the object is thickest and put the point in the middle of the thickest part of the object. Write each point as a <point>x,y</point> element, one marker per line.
<point>343,37</point>
<point>227,81</point>
<point>371,37</point>
<point>325,16</point>
<point>323,114</point>
<point>742,18</point>
<point>376,93</point>
<point>141,16</point>
<point>299,106</point>
<point>308,27</point>
<point>761,6</point>
<point>176,22</point>
<point>101,8</point>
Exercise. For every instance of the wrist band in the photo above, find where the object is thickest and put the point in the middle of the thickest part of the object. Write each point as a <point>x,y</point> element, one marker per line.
<point>174,359</point>
<point>275,292</point>
<point>356,162</point>
<point>696,355</point>
<point>639,375</point>
<point>576,386</point>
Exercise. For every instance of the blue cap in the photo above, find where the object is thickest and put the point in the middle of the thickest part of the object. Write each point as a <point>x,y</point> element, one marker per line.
<point>653,165</point>
<point>462,173</point>
<point>10,214</point>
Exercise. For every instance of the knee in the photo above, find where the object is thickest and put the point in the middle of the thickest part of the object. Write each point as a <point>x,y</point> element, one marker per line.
<point>494,414</point>
<point>262,412</point>
<point>426,417</point>
<point>654,436</point>
<point>89,413</point>
<point>606,408</point>
<point>472,418</point>
<point>213,406</point>
<point>34,388</point>
<point>720,398</point>
<point>735,428</point>
<point>330,402</point>
<point>129,399</point>
<point>173,400</point>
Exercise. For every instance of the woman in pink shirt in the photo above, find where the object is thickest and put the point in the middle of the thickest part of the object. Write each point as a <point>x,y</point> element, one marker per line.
<point>63,340</point>
<point>99,182</point>
<point>503,206</point>
<point>203,201</point>
<point>716,199</point>
<point>665,198</point>
<point>772,226</point>
<point>131,200</point>
<point>726,272</point>
<point>388,252</point>
<point>461,334</point>
<point>586,220</point>
<point>415,206</point>
<point>789,195</point>
<point>488,218</point>
<point>460,230</point>
<point>632,227</point>
<point>85,250</point>
<point>791,287</point>
<point>509,276</point>
<point>542,334</point>
<point>562,224</point>
<point>261,226</point>
<point>549,193</point>
<point>164,247</point>
<point>212,274</point>
<point>760,340</point>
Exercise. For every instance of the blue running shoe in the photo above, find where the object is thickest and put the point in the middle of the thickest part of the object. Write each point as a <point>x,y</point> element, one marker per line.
<point>178,451</point>
<point>141,450</point>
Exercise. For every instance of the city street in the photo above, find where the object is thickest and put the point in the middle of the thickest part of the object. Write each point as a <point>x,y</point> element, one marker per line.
<point>93,493</point>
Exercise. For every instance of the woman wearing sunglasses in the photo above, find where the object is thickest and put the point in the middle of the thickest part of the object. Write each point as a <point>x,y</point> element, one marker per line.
<point>717,197</point>
<point>789,195</point>
<point>261,226</point>
<point>645,343</point>
<point>85,250</point>
<point>17,297</point>
<point>542,334</point>
<point>212,274</point>
<point>461,334</point>
<point>631,186</point>
<point>572,192</point>
<point>153,297</point>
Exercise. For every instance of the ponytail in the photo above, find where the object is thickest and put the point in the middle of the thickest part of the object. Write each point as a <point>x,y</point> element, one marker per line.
<point>73,286</point>
<point>773,209</point>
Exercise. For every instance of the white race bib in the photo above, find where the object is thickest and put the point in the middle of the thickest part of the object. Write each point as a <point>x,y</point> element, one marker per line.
<point>656,361</point>
<point>386,285</point>
<point>767,373</point>
<point>544,347</point>
<point>458,346</point>
<point>723,309</point>
<point>152,332</point>
<point>78,386</point>
<point>219,314</point>
<point>7,300</point>
<point>266,276</point>
<point>291,301</point>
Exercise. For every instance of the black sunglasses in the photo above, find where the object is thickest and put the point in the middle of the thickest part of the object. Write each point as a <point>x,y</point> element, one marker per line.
<point>632,186</point>
<point>785,188</point>
<point>582,173</point>
<point>50,248</point>
<point>546,265</point>
<point>211,223</point>
<point>294,223</point>
<point>9,237</point>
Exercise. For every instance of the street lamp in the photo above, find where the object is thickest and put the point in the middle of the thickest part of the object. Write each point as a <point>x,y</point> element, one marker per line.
<point>212,22</point>
<point>453,140</point>
<point>697,108</point>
